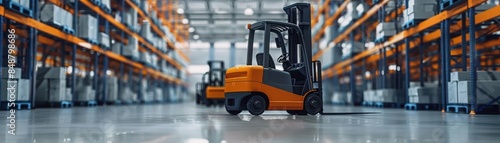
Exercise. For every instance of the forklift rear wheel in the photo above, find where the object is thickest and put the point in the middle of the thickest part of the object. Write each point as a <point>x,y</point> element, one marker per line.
<point>233,112</point>
<point>256,105</point>
<point>312,104</point>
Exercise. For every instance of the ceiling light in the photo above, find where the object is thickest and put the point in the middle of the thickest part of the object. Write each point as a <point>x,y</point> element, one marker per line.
<point>196,37</point>
<point>180,11</point>
<point>185,21</point>
<point>248,11</point>
<point>191,29</point>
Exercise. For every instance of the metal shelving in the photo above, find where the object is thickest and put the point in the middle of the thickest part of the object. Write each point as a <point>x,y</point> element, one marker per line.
<point>426,58</point>
<point>57,48</point>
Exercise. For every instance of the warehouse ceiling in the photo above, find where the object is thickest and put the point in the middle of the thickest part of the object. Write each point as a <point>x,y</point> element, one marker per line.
<point>225,20</point>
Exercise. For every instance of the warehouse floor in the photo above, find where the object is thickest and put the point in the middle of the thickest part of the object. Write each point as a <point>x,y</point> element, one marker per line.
<point>185,122</point>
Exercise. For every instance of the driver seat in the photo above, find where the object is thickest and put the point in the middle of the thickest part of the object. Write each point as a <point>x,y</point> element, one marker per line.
<point>260,58</point>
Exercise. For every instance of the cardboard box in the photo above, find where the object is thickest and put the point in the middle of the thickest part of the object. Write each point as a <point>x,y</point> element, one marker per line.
<point>51,90</point>
<point>51,73</point>
<point>87,27</point>
<point>486,91</point>
<point>16,75</point>
<point>481,75</point>
<point>104,39</point>
<point>452,92</point>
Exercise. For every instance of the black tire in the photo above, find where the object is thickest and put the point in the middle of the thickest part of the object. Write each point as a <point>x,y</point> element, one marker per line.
<point>233,112</point>
<point>256,105</point>
<point>312,104</point>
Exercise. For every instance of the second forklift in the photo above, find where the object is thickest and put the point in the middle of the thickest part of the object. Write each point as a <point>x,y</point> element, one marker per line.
<point>212,89</point>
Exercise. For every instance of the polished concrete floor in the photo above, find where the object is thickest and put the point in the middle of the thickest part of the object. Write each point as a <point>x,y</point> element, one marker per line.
<point>187,123</point>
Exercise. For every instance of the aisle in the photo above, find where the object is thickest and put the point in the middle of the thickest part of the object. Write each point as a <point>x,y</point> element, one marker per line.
<point>188,123</point>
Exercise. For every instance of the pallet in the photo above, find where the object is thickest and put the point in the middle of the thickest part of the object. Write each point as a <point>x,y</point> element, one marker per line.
<point>457,108</point>
<point>114,102</point>
<point>63,28</point>
<point>14,6</point>
<point>367,103</point>
<point>61,104</point>
<point>132,58</point>
<point>381,40</point>
<point>447,4</point>
<point>421,106</point>
<point>91,41</point>
<point>17,105</point>
<point>87,103</point>
<point>409,24</point>
<point>387,105</point>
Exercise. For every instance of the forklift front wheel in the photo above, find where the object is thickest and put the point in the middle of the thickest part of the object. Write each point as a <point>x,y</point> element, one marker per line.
<point>256,105</point>
<point>312,104</point>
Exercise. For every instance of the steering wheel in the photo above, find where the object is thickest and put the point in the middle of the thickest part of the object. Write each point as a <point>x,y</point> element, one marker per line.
<point>282,58</point>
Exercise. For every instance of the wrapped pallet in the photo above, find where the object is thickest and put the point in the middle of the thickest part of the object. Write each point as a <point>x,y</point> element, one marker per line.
<point>87,27</point>
<point>486,91</point>
<point>51,85</point>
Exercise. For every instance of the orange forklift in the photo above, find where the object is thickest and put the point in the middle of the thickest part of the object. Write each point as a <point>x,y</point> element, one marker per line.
<point>297,88</point>
<point>212,89</point>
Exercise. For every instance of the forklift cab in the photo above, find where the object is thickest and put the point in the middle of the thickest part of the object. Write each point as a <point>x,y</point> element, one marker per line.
<point>296,88</point>
<point>214,85</point>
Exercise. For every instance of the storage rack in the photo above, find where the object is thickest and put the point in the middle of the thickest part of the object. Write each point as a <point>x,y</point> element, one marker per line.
<point>54,46</point>
<point>424,56</point>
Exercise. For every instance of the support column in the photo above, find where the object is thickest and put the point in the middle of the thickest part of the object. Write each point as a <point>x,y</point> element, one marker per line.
<point>211,51</point>
<point>473,62</point>
<point>232,55</point>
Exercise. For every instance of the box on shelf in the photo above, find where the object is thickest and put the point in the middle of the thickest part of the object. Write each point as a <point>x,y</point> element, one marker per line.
<point>115,47</point>
<point>87,27</point>
<point>144,6</point>
<point>420,15</point>
<point>422,8</point>
<point>112,89</point>
<point>486,91</point>
<point>85,93</point>
<point>104,39</point>
<point>481,75</point>
<point>51,90</point>
<point>452,92</point>
<point>51,72</point>
<point>131,48</point>
<point>351,48</point>
<point>52,14</point>
<point>146,30</point>
<point>24,3</point>
<point>106,3</point>
<point>16,75</point>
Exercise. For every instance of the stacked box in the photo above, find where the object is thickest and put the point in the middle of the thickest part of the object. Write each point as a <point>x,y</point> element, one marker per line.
<point>350,49</point>
<point>131,48</point>
<point>369,95</point>
<point>24,3</point>
<point>18,87</point>
<point>53,14</point>
<point>51,85</point>
<point>385,29</point>
<point>146,30</point>
<point>481,75</point>
<point>87,27</point>
<point>486,91</point>
<point>158,95</point>
<point>112,89</point>
<point>339,97</point>
<point>425,95</point>
<point>85,93</point>
<point>115,47</point>
<point>131,17</point>
<point>145,6</point>
<point>106,3</point>
<point>104,39</point>
<point>389,96</point>
<point>15,75</point>
<point>452,92</point>
<point>419,10</point>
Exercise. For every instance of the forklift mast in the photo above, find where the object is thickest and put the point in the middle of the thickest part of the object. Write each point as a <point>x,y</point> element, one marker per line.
<point>216,71</point>
<point>300,15</point>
